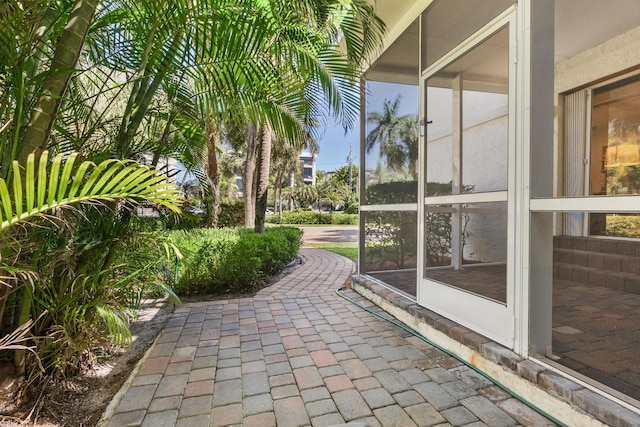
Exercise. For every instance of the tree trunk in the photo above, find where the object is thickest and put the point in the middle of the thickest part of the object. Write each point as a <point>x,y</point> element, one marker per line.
<point>248,178</point>
<point>292,203</point>
<point>65,58</point>
<point>212,202</point>
<point>264,166</point>
<point>277,192</point>
<point>38,130</point>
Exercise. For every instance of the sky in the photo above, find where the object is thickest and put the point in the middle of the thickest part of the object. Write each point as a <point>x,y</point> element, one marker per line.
<point>334,144</point>
<point>334,147</point>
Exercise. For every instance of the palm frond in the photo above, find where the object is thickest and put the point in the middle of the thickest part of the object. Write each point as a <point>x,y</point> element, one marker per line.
<point>60,183</point>
<point>116,323</point>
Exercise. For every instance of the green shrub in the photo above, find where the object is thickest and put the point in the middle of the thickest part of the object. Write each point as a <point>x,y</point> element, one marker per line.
<point>389,193</point>
<point>232,261</point>
<point>311,217</point>
<point>392,234</point>
<point>345,219</point>
<point>623,225</point>
<point>166,220</point>
<point>351,209</point>
<point>231,214</point>
<point>186,221</point>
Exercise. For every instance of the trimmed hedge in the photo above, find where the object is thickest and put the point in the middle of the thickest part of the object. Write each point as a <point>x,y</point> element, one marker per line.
<point>232,261</point>
<point>311,217</point>
<point>231,214</point>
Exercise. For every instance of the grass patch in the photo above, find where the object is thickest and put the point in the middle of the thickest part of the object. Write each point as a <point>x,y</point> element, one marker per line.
<point>346,249</point>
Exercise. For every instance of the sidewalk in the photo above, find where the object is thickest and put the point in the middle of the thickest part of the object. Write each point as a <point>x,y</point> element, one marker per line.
<point>297,354</point>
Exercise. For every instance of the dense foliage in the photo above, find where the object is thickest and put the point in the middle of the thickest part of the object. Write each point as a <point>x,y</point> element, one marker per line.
<point>390,193</point>
<point>347,175</point>
<point>232,261</point>
<point>231,215</point>
<point>116,89</point>
<point>623,225</point>
<point>391,235</point>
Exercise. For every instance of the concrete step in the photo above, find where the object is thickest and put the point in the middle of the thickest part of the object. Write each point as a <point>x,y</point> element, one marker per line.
<point>598,262</point>
<point>610,262</point>
<point>596,277</point>
<point>628,247</point>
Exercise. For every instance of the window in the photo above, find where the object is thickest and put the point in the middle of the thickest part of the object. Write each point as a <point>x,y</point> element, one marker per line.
<point>615,153</point>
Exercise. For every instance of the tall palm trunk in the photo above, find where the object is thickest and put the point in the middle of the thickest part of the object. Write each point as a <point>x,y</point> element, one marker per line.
<point>38,130</point>
<point>277,191</point>
<point>264,166</point>
<point>65,58</point>
<point>248,177</point>
<point>212,200</point>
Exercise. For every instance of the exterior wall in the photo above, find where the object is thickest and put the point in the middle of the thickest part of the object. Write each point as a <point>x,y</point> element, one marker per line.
<point>483,122</point>
<point>616,55</point>
<point>612,57</point>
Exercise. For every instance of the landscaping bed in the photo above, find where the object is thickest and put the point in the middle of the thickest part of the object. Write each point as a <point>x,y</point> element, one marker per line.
<point>216,264</point>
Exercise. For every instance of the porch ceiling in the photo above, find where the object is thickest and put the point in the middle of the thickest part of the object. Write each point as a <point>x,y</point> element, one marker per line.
<point>399,63</point>
<point>583,24</point>
<point>580,25</point>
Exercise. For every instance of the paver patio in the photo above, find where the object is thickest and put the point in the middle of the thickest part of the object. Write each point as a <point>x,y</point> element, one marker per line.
<point>297,354</point>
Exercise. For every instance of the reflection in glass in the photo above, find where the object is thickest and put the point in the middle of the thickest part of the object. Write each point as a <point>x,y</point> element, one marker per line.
<point>468,121</point>
<point>615,153</point>
<point>439,155</point>
<point>390,248</point>
<point>466,247</point>
<point>615,138</point>
<point>391,140</point>
<point>438,220</point>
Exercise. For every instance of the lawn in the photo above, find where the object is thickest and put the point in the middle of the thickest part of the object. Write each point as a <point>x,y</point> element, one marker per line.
<point>346,249</point>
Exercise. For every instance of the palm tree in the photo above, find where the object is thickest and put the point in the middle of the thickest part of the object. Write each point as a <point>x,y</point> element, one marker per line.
<point>33,113</point>
<point>387,133</point>
<point>117,79</point>
<point>320,67</point>
<point>36,192</point>
<point>396,135</point>
<point>285,160</point>
<point>332,194</point>
<point>309,194</point>
<point>409,137</point>
<point>65,57</point>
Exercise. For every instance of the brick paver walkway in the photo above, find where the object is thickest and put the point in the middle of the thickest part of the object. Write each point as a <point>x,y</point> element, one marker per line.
<point>297,354</point>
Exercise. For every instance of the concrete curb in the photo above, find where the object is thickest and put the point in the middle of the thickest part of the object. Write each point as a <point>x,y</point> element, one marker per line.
<point>117,398</point>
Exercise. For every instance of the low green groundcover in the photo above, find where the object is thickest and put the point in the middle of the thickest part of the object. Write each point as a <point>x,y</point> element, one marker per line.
<point>232,261</point>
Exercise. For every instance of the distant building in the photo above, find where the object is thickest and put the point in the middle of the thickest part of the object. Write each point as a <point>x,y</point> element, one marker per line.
<point>308,170</point>
<point>308,167</point>
<point>238,179</point>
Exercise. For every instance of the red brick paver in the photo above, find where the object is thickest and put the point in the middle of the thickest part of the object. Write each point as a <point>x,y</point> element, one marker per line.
<point>296,354</point>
